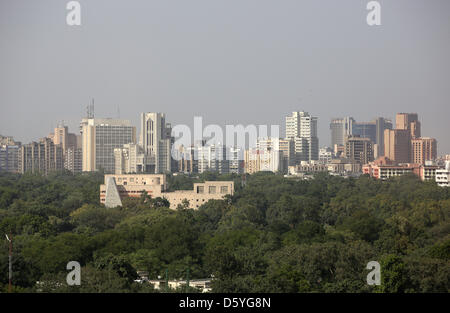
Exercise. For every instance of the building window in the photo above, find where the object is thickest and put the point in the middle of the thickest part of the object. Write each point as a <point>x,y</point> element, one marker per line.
<point>223,189</point>
<point>212,189</point>
<point>200,189</point>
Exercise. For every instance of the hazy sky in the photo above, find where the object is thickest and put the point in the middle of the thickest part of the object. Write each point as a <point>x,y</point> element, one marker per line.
<point>230,61</point>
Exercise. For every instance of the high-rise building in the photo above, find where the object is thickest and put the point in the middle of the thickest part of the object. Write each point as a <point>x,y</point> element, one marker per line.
<point>61,136</point>
<point>423,149</point>
<point>381,125</point>
<point>187,160</point>
<point>303,125</point>
<point>8,141</point>
<point>156,140</point>
<point>73,160</point>
<point>397,145</point>
<point>365,130</point>
<point>40,157</point>
<point>131,159</point>
<point>410,122</point>
<point>340,129</point>
<point>9,158</point>
<point>374,130</point>
<point>257,160</point>
<point>70,143</point>
<point>99,139</point>
<point>359,149</point>
<point>287,147</point>
<point>236,160</point>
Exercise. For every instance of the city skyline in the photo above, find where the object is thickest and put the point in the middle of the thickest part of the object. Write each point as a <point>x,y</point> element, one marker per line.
<point>282,126</point>
<point>250,64</point>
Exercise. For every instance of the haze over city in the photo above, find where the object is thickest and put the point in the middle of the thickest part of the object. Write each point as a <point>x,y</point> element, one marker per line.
<point>247,62</point>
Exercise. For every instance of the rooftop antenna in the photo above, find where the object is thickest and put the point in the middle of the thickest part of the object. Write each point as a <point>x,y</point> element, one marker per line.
<point>90,109</point>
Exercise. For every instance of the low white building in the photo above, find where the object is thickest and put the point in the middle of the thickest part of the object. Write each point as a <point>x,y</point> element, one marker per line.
<point>443,175</point>
<point>203,285</point>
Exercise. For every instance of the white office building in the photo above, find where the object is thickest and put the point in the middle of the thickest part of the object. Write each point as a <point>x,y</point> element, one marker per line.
<point>99,138</point>
<point>302,128</point>
<point>155,138</point>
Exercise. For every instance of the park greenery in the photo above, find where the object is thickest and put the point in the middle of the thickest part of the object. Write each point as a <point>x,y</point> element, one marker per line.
<point>275,234</point>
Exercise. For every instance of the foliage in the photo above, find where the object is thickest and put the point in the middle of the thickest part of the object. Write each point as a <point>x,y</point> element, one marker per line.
<point>274,234</point>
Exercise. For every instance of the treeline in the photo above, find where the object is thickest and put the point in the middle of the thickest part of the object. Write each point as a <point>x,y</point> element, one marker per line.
<point>275,234</point>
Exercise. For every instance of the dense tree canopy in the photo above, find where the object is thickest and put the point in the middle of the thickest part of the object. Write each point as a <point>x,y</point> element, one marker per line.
<point>275,234</point>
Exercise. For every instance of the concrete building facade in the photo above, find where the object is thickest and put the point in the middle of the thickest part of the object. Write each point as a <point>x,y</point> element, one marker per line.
<point>359,149</point>
<point>155,185</point>
<point>397,145</point>
<point>99,139</point>
<point>40,157</point>
<point>423,149</point>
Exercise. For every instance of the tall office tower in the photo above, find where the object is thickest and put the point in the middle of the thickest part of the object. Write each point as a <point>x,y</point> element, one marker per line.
<point>340,129</point>
<point>381,125</point>
<point>131,159</point>
<point>43,157</point>
<point>287,147</point>
<point>359,149</point>
<point>410,122</point>
<point>365,130</point>
<point>99,139</point>
<point>213,158</point>
<point>423,149</point>
<point>303,125</point>
<point>397,145</point>
<point>9,158</point>
<point>156,140</point>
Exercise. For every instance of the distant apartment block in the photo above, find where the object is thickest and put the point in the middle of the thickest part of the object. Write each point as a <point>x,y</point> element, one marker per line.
<point>9,154</point>
<point>73,160</point>
<point>118,187</point>
<point>9,158</point>
<point>8,141</point>
<point>213,158</point>
<point>263,159</point>
<point>187,160</point>
<point>71,148</point>
<point>423,149</point>
<point>40,157</point>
